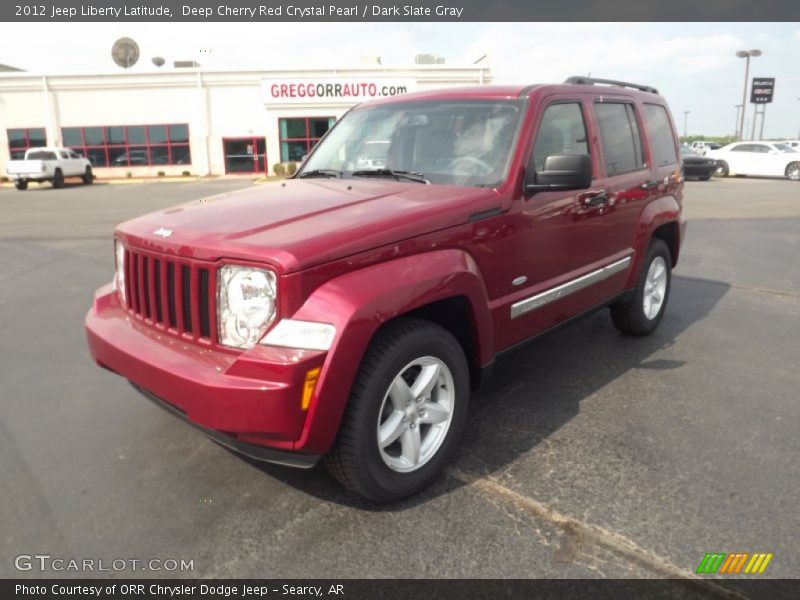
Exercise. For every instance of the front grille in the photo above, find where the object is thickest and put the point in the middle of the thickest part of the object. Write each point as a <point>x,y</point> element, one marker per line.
<point>172,294</point>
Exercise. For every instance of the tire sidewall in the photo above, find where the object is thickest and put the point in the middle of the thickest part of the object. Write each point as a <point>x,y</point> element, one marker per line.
<point>58,179</point>
<point>657,248</point>
<point>445,348</point>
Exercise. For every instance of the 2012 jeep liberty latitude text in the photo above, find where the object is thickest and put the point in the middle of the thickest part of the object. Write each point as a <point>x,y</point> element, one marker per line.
<point>347,312</point>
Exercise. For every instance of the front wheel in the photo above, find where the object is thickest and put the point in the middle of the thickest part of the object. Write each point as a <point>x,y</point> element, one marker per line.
<point>21,184</point>
<point>58,179</point>
<point>88,176</point>
<point>641,312</point>
<point>722,169</point>
<point>406,412</point>
<point>793,171</point>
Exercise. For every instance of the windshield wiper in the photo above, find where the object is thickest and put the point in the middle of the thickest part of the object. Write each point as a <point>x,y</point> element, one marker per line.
<point>408,175</point>
<point>320,173</point>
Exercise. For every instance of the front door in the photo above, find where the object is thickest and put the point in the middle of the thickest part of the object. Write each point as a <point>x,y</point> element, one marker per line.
<point>555,240</point>
<point>245,155</point>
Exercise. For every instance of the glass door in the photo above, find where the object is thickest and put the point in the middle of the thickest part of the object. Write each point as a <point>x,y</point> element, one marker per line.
<point>245,155</point>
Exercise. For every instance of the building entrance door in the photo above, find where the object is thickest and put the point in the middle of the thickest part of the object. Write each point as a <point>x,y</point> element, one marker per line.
<point>245,155</point>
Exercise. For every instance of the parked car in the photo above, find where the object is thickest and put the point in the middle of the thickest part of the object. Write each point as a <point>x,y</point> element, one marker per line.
<point>49,164</point>
<point>793,144</point>
<point>352,318</point>
<point>701,148</point>
<point>133,157</point>
<point>770,159</point>
<point>700,167</point>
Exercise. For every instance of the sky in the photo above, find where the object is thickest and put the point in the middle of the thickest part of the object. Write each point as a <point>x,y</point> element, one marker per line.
<point>694,65</point>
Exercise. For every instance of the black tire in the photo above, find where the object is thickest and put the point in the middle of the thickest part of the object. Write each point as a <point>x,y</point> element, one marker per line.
<point>58,179</point>
<point>628,314</point>
<point>88,176</point>
<point>355,459</point>
<point>793,171</point>
<point>21,184</point>
<point>722,169</point>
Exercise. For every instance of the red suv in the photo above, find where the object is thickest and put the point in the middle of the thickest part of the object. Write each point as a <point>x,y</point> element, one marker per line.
<point>347,312</point>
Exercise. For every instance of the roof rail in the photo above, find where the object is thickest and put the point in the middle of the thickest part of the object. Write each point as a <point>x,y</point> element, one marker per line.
<point>580,80</point>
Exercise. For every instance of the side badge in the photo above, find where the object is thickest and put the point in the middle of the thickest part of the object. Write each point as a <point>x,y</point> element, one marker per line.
<point>519,280</point>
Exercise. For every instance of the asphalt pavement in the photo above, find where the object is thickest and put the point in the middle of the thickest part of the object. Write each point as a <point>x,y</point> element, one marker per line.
<point>589,454</point>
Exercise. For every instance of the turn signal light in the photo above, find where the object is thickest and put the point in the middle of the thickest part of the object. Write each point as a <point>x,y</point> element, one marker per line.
<point>308,387</point>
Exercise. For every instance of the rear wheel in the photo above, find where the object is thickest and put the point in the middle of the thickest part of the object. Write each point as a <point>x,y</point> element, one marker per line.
<point>640,313</point>
<point>21,184</point>
<point>88,177</point>
<point>406,412</point>
<point>58,179</point>
<point>793,171</point>
<point>722,169</point>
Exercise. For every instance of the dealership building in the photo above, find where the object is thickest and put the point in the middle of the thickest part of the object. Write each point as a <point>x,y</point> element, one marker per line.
<point>206,122</point>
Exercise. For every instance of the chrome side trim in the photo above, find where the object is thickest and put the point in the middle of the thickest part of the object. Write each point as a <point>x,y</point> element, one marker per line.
<point>570,287</point>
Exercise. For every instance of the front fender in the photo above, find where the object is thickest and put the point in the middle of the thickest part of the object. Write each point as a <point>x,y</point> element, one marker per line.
<point>665,210</point>
<point>359,302</point>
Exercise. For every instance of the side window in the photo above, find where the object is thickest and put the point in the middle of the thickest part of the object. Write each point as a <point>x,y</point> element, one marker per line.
<point>562,131</point>
<point>619,135</point>
<point>761,148</point>
<point>64,154</point>
<point>743,148</point>
<point>662,138</point>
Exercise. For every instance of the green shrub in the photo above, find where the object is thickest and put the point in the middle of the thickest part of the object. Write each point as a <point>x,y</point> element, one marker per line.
<point>160,173</point>
<point>128,174</point>
<point>186,173</point>
<point>3,179</point>
<point>279,169</point>
<point>291,168</point>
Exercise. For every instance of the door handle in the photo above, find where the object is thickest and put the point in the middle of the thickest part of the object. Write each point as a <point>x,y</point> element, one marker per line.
<point>594,198</point>
<point>650,185</point>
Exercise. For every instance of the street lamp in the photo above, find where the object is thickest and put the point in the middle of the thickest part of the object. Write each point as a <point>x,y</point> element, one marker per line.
<point>738,107</point>
<point>746,54</point>
<point>685,121</point>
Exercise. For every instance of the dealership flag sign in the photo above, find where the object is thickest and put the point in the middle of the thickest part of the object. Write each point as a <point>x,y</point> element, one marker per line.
<point>294,90</point>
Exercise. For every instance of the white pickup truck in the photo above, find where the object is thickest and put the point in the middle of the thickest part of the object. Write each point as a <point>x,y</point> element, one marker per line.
<point>49,164</point>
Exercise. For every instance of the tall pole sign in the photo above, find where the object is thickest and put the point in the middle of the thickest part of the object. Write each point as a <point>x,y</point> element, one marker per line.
<point>761,93</point>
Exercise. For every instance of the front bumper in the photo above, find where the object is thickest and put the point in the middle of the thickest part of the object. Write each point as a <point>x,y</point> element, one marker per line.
<point>248,401</point>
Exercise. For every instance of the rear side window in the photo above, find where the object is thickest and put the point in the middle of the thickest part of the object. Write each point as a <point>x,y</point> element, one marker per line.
<point>42,155</point>
<point>662,140</point>
<point>619,135</point>
<point>562,131</point>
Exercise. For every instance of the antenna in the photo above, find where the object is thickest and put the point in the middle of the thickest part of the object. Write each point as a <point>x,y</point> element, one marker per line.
<point>125,52</point>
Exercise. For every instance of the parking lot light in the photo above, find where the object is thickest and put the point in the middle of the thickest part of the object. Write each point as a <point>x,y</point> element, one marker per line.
<point>746,54</point>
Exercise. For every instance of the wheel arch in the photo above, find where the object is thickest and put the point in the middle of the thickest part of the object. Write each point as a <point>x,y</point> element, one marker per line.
<point>443,286</point>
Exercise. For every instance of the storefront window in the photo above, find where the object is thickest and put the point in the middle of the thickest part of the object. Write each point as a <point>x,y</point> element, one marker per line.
<point>19,140</point>
<point>134,145</point>
<point>299,136</point>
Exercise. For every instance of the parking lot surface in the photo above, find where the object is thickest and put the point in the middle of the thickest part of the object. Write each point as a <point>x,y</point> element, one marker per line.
<point>588,454</point>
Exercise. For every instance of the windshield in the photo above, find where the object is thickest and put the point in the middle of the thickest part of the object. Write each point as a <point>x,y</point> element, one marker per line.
<point>453,142</point>
<point>784,148</point>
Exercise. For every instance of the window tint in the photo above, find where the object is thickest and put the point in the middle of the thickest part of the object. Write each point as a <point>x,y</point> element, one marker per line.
<point>748,148</point>
<point>619,135</point>
<point>662,140</point>
<point>562,131</point>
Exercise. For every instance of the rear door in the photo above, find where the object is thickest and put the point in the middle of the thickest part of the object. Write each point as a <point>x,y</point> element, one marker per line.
<point>629,179</point>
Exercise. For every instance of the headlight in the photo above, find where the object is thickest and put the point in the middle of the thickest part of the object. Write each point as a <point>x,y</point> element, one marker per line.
<point>245,304</point>
<point>119,275</point>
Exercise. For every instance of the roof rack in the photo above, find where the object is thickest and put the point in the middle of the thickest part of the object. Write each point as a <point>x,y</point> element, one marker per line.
<point>579,80</point>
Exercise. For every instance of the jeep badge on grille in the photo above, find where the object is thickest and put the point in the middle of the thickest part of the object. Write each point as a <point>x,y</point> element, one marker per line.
<point>163,232</point>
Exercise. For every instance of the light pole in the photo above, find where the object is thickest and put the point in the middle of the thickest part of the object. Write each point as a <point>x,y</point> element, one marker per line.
<point>746,54</point>
<point>685,121</point>
<point>738,107</point>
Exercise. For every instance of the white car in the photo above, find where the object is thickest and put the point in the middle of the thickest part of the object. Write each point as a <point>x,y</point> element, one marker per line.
<point>49,164</point>
<point>767,159</point>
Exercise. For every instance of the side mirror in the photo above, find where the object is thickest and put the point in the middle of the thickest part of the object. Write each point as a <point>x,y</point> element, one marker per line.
<point>561,172</point>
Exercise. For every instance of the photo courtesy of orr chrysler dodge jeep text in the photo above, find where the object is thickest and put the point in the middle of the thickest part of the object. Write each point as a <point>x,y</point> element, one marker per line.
<point>347,312</point>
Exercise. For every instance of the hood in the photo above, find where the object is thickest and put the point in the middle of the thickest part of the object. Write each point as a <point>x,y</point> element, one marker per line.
<point>296,224</point>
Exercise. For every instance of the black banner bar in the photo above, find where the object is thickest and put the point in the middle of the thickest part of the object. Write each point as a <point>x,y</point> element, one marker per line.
<point>387,10</point>
<point>391,589</point>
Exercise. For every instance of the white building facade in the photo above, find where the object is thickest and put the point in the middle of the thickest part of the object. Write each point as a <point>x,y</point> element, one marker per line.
<point>202,122</point>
